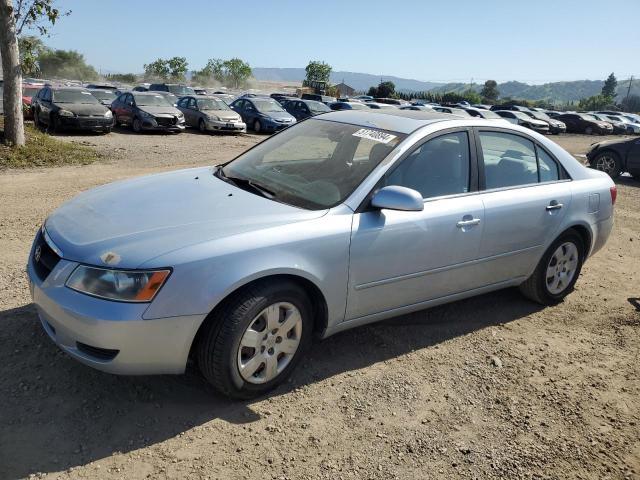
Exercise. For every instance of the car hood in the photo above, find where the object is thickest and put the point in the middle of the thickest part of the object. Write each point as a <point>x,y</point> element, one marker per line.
<point>84,108</point>
<point>130,222</point>
<point>160,110</point>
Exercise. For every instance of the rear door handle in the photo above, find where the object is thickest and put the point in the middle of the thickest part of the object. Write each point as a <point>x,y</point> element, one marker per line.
<point>468,223</point>
<point>554,206</point>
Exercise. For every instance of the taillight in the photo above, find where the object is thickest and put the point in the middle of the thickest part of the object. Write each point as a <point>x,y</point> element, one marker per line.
<point>614,194</point>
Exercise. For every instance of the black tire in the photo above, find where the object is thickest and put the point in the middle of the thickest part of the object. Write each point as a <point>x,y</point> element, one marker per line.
<point>115,120</point>
<point>136,125</point>
<point>588,130</point>
<point>257,126</point>
<point>201,126</point>
<point>107,130</point>
<point>536,286</point>
<point>218,343</point>
<point>608,162</point>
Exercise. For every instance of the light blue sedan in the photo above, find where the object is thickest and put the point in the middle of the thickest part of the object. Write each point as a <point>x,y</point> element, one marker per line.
<point>339,221</point>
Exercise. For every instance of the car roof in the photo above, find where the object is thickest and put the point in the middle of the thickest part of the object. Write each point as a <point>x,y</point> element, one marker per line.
<point>396,120</point>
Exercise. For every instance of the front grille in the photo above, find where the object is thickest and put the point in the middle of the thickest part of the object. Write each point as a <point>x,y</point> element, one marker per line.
<point>166,121</point>
<point>97,352</point>
<point>44,258</point>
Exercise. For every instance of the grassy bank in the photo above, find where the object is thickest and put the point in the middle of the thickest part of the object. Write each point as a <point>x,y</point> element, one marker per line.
<point>42,150</point>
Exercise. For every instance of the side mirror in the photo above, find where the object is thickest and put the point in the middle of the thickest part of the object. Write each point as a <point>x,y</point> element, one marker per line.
<point>395,197</point>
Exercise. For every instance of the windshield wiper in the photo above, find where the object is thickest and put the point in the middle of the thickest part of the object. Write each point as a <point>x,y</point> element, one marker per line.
<point>244,183</point>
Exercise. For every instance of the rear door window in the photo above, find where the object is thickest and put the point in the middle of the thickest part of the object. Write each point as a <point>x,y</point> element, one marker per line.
<point>511,160</point>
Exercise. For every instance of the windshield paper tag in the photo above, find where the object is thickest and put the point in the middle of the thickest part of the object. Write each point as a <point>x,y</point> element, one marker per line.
<point>375,135</point>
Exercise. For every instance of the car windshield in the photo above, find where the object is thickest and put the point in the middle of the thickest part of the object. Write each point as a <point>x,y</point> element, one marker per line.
<point>104,95</point>
<point>171,98</point>
<point>151,101</point>
<point>586,116</point>
<point>317,106</point>
<point>488,114</point>
<point>212,104</point>
<point>266,106</point>
<point>540,115</point>
<point>30,91</point>
<point>315,164</point>
<point>181,90</point>
<point>521,115</point>
<point>73,96</point>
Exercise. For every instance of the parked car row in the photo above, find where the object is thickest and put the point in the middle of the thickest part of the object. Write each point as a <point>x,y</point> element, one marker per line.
<point>164,108</point>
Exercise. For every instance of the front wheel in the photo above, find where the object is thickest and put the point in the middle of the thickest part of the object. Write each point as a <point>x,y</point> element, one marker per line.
<point>257,126</point>
<point>136,125</point>
<point>557,272</point>
<point>608,162</point>
<point>588,130</point>
<point>201,126</point>
<point>253,342</point>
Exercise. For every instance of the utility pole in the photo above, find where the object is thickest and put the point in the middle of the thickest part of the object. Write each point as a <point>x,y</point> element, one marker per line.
<point>628,90</point>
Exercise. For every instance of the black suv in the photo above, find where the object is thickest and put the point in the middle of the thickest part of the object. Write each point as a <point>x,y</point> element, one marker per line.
<point>177,89</point>
<point>73,108</point>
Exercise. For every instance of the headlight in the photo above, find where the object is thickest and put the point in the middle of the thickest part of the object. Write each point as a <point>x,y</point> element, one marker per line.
<point>108,114</point>
<point>213,118</point>
<point>180,115</point>
<point>144,114</point>
<point>66,113</point>
<point>119,285</point>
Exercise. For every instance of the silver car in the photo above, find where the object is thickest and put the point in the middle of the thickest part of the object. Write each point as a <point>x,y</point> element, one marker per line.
<point>210,114</point>
<point>339,221</point>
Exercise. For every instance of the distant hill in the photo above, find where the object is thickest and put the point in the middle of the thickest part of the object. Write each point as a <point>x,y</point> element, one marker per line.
<point>359,81</point>
<point>555,91</point>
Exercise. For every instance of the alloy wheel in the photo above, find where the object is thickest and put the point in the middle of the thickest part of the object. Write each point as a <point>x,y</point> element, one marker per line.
<point>269,343</point>
<point>606,163</point>
<point>562,268</point>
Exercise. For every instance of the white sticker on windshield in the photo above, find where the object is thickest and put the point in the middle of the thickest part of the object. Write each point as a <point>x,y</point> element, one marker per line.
<point>375,135</point>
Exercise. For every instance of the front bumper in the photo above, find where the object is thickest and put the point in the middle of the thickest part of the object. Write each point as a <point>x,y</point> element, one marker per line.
<point>165,124</point>
<point>557,128</point>
<point>86,123</point>
<point>222,126</point>
<point>109,336</point>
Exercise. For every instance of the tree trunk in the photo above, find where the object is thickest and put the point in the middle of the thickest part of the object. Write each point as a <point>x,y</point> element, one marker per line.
<point>13,120</point>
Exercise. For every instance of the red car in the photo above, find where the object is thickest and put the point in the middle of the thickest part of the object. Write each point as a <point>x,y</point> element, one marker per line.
<point>29,90</point>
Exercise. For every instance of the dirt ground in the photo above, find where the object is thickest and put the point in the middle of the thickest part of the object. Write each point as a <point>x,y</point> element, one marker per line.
<point>491,387</point>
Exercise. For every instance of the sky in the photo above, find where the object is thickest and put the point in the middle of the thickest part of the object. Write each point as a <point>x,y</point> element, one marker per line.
<point>534,41</point>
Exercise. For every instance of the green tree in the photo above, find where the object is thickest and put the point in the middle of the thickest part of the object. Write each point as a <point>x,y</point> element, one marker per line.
<point>66,64</point>
<point>157,70</point>
<point>31,47</point>
<point>177,68</point>
<point>596,102</point>
<point>237,72</point>
<point>122,77</point>
<point>26,14</point>
<point>489,92</point>
<point>386,89</point>
<point>317,71</point>
<point>610,86</point>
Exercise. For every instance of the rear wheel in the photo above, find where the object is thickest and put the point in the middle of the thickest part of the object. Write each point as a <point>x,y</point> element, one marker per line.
<point>557,271</point>
<point>608,162</point>
<point>253,342</point>
<point>201,126</point>
<point>588,130</point>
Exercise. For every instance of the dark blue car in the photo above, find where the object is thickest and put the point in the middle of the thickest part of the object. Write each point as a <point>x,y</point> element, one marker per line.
<point>262,114</point>
<point>302,109</point>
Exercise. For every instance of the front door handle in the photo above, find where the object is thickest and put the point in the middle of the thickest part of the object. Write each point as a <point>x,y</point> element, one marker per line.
<point>468,223</point>
<point>554,205</point>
